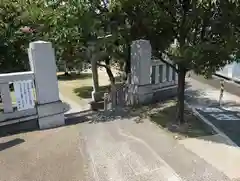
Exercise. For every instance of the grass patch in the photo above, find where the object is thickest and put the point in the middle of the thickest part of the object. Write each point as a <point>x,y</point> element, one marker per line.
<point>192,128</point>
<point>73,76</point>
<point>78,88</point>
<point>86,91</point>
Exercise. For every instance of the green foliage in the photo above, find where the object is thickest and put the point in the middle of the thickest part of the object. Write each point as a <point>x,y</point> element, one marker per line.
<point>199,35</point>
<point>15,15</point>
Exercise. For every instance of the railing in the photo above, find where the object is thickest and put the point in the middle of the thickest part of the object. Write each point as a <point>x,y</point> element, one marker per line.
<point>18,86</point>
<point>162,75</point>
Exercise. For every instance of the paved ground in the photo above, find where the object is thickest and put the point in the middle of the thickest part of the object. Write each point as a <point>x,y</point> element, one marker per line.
<point>124,150</point>
<point>204,98</point>
<point>215,82</point>
<point>51,155</point>
<point>119,150</point>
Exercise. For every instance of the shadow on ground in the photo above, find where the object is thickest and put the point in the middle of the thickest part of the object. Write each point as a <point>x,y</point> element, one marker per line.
<point>9,144</point>
<point>225,117</point>
<point>192,128</point>
<point>74,76</point>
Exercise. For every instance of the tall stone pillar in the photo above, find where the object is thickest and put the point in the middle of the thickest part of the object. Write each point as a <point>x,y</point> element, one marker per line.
<point>141,54</point>
<point>43,64</point>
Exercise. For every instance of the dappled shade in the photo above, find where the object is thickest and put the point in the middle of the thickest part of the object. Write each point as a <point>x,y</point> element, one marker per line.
<point>74,76</point>
<point>193,127</point>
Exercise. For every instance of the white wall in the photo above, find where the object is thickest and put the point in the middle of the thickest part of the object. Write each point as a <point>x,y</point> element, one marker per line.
<point>231,71</point>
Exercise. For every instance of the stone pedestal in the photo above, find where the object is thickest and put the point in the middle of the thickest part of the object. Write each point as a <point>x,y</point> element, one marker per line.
<point>51,115</point>
<point>50,108</point>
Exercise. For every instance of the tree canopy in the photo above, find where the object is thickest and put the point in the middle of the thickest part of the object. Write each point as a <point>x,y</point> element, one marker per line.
<point>199,35</point>
<point>196,35</point>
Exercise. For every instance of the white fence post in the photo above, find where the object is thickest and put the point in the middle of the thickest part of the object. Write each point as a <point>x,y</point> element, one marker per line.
<point>6,98</point>
<point>50,108</point>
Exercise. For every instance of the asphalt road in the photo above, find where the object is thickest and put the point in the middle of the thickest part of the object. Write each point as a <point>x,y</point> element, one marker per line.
<point>229,86</point>
<point>227,117</point>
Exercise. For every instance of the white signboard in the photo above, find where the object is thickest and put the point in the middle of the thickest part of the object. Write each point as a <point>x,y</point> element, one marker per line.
<point>24,94</point>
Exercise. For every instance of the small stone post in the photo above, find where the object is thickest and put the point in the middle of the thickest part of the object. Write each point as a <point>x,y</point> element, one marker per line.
<point>114,97</point>
<point>50,108</point>
<point>105,102</point>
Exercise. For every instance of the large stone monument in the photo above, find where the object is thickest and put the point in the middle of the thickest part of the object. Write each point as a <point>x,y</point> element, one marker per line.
<point>150,79</point>
<point>49,107</point>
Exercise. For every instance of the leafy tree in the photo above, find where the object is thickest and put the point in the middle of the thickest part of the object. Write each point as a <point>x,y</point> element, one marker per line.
<point>196,35</point>
<point>15,18</point>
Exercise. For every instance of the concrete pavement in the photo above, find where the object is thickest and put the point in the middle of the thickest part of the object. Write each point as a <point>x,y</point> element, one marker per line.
<point>118,150</point>
<point>50,155</point>
<point>124,150</point>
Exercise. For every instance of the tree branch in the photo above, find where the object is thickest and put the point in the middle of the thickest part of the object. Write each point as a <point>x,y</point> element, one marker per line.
<point>168,63</point>
<point>102,65</point>
<point>109,72</point>
<point>171,14</point>
<point>205,22</point>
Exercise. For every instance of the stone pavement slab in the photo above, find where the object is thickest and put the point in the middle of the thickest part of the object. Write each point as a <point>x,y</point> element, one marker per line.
<point>222,156</point>
<point>127,151</point>
<point>122,150</point>
<point>50,155</point>
<point>118,157</point>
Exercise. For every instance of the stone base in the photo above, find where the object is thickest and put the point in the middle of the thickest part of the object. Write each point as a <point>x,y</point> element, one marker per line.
<point>146,95</point>
<point>51,121</point>
<point>165,93</point>
<point>51,115</point>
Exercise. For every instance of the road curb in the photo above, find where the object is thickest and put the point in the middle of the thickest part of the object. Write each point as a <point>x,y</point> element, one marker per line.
<point>229,141</point>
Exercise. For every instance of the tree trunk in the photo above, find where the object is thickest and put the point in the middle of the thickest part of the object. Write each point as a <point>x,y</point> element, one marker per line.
<point>94,74</point>
<point>181,93</point>
<point>127,67</point>
<point>66,72</point>
<point>109,71</point>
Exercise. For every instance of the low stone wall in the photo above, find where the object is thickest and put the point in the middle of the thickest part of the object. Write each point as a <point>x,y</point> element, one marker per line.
<point>149,93</point>
<point>165,93</point>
